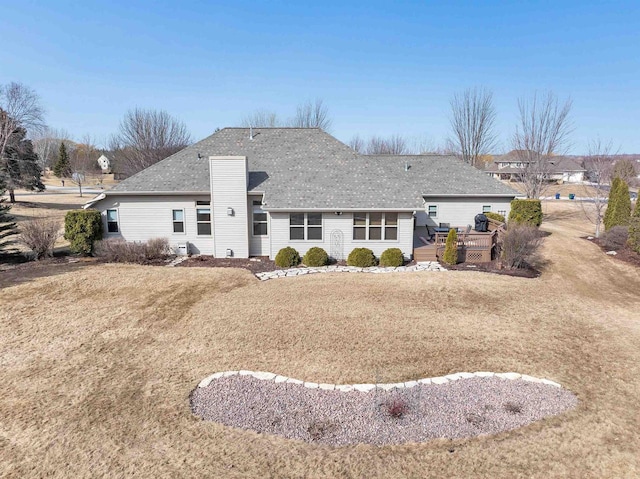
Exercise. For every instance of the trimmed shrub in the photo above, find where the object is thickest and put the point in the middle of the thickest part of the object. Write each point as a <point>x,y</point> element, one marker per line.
<point>287,257</point>
<point>361,257</point>
<point>316,257</point>
<point>519,245</point>
<point>527,211</point>
<point>494,216</point>
<point>40,235</point>
<point>634,234</point>
<point>618,210</point>
<point>450,255</point>
<point>392,257</point>
<point>120,251</point>
<point>83,228</point>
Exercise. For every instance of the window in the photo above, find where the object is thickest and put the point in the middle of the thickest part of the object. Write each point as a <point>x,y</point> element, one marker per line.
<point>375,226</point>
<point>112,221</point>
<point>259,220</point>
<point>305,226</point>
<point>432,211</point>
<point>203,221</point>
<point>203,203</point>
<point>486,209</point>
<point>178,221</point>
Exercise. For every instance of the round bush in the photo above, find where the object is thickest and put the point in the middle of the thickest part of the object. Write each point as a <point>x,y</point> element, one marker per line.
<point>361,257</point>
<point>316,257</point>
<point>392,257</point>
<point>287,257</point>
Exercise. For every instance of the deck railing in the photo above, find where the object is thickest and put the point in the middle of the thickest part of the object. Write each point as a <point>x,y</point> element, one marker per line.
<point>473,247</point>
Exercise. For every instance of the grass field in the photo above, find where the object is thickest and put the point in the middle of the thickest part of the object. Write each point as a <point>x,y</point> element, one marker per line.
<point>98,362</point>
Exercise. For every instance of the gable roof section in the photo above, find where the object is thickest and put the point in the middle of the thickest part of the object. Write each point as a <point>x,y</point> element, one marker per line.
<point>302,168</point>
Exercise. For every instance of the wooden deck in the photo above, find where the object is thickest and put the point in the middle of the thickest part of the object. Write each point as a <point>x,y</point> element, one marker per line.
<point>474,247</point>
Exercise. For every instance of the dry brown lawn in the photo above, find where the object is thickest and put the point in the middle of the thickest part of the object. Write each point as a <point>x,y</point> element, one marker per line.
<point>46,205</point>
<point>106,392</point>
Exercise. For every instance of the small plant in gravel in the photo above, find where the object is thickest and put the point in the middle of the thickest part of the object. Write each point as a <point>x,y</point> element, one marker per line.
<point>512,407</point>
<point>316,257</point>
<point>396,408</point>
<point>361,257</point>
<point>475,419</point>
<point>318,429</point>
<point>287,258</point>
<point>392,257</point>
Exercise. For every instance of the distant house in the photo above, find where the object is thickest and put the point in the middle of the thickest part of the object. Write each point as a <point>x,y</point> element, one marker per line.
<point>250,192</point>
<point>105,164</point>
<point>561,168</point>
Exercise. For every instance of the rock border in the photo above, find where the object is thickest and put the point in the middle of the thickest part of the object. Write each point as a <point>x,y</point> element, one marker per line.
<point>282,273</point>
<point>266,376</point>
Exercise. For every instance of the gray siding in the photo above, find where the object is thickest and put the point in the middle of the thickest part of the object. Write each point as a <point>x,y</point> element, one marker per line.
<point>461,211</point>
<point>229,190</point>
<point>343,224</point>
<point>141,218</point>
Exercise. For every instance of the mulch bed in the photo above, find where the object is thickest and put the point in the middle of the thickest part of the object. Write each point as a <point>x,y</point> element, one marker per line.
<point>625,254</point>
<point>14,270</point>
<point>463,408</point>
<point>260,264</point>
<point>494,268</point>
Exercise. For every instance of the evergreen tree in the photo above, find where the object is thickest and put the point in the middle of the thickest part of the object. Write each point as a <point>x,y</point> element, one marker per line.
<point>619,206</point>
<point>62,168</point>
<point>636,210</point>
<point>7,226</point>
<point>450,255</point>
<point>19,167</point>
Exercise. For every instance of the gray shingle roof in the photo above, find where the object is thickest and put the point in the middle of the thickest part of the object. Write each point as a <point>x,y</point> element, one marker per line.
<point>310,169</point>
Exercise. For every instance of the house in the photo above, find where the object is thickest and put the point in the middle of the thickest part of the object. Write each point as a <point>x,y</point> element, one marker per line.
<point>250,192</point>
<point>105,163</point>
<point>560,168</point>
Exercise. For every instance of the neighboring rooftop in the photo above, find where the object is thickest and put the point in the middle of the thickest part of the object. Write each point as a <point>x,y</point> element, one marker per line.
<point>308,168</point>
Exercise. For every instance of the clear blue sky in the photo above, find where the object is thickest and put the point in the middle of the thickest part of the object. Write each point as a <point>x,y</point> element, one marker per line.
<point>381,67</point>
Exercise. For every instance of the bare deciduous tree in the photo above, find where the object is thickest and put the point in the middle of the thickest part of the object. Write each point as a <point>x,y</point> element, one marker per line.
<point>261,119</point>
<point>146,137</point>
<point>542,132</point>
<point>393,145</point>
<point>20,110</point>
<point>83,159</point>
<point>625,169</point>
<point>599,164</point>
<point>472,122</point>
<point>357,144</point>
<point>312,115</point>
<point>46,144</point>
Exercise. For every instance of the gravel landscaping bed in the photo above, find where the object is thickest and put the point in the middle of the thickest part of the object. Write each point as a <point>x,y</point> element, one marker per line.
<point>463,408</point>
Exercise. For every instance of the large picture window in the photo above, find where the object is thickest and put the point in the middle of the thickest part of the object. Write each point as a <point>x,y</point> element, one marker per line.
<point>305,226</point>
<point>375,226</point>
<point>260,224</point>
<point>112,221</point>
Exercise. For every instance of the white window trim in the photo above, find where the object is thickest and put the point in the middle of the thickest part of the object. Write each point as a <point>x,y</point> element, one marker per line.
<point>106,221</point>
<point>184,221</point>
<point>434,216</point>
<point>260,210</point>
<point>383,227</point>
<point>305,226</point>
<point>210,222</point>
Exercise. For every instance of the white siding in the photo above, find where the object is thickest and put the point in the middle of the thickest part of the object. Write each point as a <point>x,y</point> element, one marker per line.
<point>343,223</point>
<point>229,190</point>
<point>462,211</point>
<point>141,218</point>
